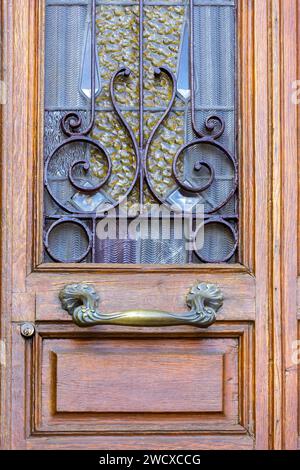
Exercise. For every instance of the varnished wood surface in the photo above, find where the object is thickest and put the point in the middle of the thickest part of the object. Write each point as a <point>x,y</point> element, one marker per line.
<point>256,328</point>
<point>164,381</point>
<point>285,223</point>
<point>152,291</point>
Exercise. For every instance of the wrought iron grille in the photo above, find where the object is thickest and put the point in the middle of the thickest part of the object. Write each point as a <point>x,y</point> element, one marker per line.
<point>140,108</point>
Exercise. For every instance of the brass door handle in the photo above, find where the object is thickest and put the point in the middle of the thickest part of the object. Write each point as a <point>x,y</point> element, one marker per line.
<point>81,302</point>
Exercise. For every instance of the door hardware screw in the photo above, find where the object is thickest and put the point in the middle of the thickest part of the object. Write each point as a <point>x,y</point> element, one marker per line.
<point>27,330</point>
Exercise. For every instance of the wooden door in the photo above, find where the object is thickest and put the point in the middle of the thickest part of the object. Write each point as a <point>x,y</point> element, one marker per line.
<point>162,385</point>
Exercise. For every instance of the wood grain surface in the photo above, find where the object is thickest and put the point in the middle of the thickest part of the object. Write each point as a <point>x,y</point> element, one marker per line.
<point>233,386</point>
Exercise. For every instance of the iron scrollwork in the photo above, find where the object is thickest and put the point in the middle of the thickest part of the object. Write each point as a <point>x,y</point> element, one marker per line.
<point>72,127</point>
<point>81,302</point>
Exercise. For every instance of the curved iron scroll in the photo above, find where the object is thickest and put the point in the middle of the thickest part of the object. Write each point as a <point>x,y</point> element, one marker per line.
<point>81,302</point>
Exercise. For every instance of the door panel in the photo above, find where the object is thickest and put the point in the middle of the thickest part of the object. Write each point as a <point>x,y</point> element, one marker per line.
<point>156,367</point>
<point>82,382</point>
<point>108,368</point>
<point>149,291</point>
<point>120,387</point>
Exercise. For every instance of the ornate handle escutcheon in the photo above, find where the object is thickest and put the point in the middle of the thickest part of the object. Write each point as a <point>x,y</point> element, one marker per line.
<point>81,302</point>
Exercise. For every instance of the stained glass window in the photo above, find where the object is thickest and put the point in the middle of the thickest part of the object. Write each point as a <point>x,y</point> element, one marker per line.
<point>140,131</point>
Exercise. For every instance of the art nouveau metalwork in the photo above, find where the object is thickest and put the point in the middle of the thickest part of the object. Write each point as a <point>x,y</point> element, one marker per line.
<point>90,168</point>
<point>81,302</point>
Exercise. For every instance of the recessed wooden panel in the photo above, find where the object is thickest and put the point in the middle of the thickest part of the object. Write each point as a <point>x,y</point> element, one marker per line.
<point>296,359</point>
<point>29,389</point>
<point>141,376</point>
<point>116,380</point>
